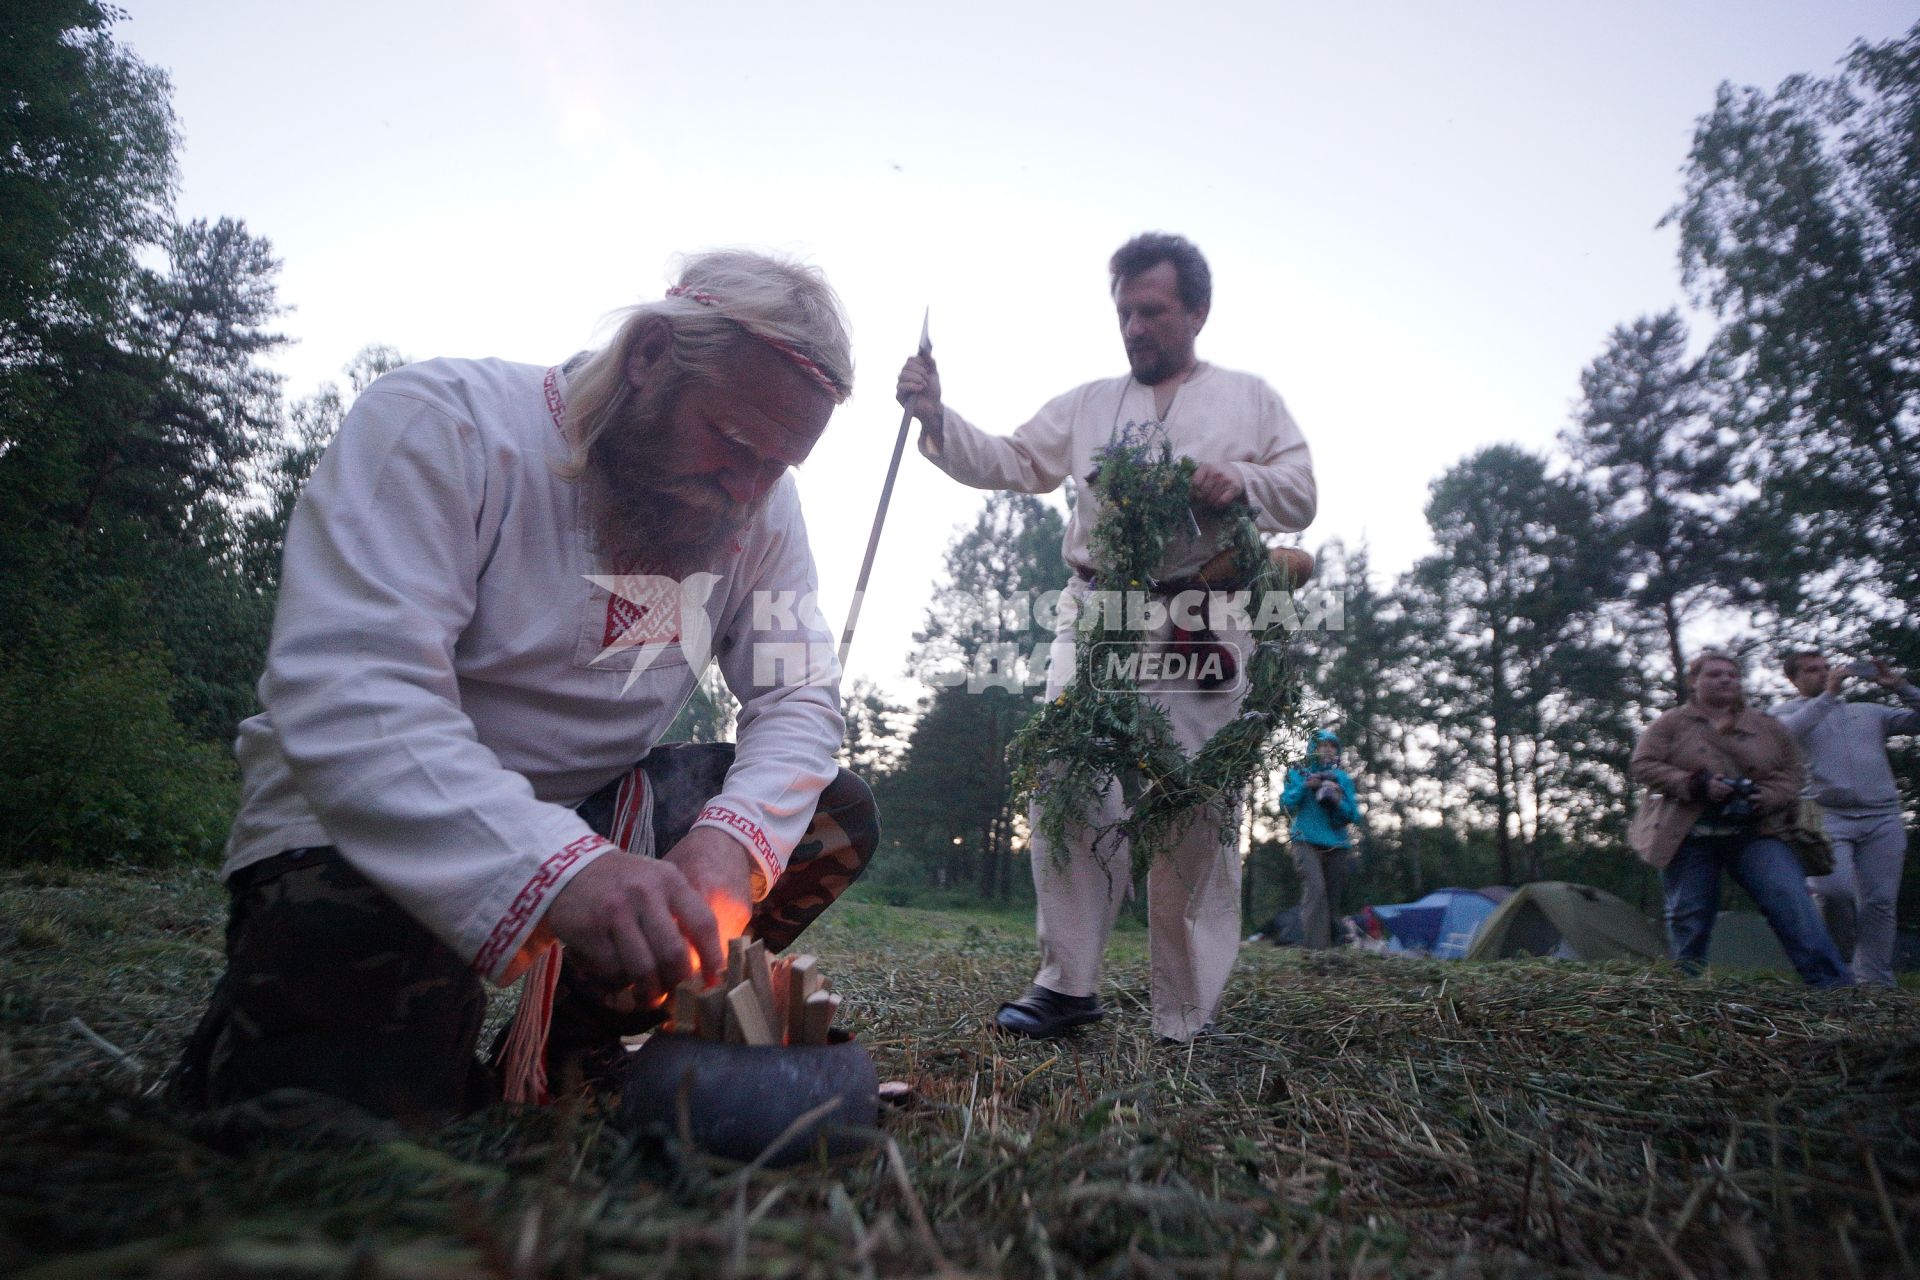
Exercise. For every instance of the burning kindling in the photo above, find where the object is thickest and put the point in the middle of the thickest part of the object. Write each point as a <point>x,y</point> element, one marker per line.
<point>760,1000</point>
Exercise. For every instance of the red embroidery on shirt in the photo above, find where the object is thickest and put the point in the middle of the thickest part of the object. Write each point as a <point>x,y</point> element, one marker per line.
<point>642,598</point>
<point>526,903</point>
<point>728,818</point>
<point>556,404</point>
<point>634,792</point>
<point>622,614</point>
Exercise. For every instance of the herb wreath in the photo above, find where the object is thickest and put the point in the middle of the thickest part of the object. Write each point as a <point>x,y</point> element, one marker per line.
<point>1097,733</point>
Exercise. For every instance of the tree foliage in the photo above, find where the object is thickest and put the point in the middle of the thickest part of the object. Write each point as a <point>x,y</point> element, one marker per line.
<point>948,802</point>
<point>1488,698</point>
<point>1800,225</point>
<point>873,743</point>
<point>96,766</point>
<point>133,398</point>
<point>1506,608</point>
<point>1646,444</point>
<point>1762,489</point>
<point>86,177</point>
<point>1362,680</point>
<point>710,714</point>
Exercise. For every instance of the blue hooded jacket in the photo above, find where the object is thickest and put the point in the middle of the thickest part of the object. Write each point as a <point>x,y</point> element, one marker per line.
<point>1314,822</point>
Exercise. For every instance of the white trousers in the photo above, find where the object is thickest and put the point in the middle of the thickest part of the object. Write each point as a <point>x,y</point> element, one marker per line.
<point>1869,854</point>
<point>1193,890</point>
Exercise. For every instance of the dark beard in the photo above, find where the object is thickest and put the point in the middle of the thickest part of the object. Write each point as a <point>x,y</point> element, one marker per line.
<point>1153,371</point>
<point>643,521</point>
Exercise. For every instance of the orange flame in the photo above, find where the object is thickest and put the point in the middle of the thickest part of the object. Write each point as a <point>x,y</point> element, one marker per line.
<point>731,915</point>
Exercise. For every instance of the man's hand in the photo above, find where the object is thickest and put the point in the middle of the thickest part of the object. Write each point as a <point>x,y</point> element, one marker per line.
<point>1836,676</point>
<point>1216,487</point>
<point>1885,676</point>
<point>632,920</point>
<point>918,391</point>
<point>1719,790</point>
<point>721,871</point>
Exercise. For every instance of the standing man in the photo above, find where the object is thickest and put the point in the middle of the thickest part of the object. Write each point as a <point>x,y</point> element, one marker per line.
<point>500,586</point>
<point>1247,447</point>
<point>1319,799</point>
<point>1845,745</point>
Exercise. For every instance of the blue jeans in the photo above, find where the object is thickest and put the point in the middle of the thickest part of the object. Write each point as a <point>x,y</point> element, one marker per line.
<point>1772,877</point>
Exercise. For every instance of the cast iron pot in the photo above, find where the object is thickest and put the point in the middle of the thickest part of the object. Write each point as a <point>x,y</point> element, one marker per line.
<point>740,1098</point>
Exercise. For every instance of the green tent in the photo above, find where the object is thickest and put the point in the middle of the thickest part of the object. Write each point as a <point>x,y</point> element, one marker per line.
<point>1568,922</point>
<point>1744,940</point>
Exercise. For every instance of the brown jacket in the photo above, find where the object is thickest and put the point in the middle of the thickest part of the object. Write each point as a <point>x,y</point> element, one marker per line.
<point>1669,761</point>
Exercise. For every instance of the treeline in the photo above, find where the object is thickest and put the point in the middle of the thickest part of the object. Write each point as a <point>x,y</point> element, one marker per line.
<point>1754,490</point>
<point>1755,486</point>
<point>148,460</point>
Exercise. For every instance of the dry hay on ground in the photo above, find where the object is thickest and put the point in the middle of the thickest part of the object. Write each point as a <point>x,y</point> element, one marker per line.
<point>1360,1117</point>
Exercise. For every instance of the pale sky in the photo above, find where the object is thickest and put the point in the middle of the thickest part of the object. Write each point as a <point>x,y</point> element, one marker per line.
<point>1423,219</point>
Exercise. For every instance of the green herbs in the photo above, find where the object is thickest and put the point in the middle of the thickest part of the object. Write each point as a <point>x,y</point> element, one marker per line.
<point>1100,732</point>
<point>1143,490</point>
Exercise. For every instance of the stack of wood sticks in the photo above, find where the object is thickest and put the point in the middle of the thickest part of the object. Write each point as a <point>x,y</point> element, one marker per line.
<point>760,1000</point>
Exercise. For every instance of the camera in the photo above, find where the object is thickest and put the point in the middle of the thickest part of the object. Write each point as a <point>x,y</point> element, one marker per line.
<point>1325,788</point>
<point>1865,670</point>
<point>1739,807</point>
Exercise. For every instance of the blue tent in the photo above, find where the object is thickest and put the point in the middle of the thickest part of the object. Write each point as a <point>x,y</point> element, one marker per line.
<point>1442,924</point>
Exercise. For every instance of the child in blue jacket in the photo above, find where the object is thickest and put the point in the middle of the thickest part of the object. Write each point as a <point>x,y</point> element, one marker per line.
<point>1319,799</point>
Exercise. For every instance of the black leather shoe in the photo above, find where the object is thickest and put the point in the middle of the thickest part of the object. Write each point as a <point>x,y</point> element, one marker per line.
<point>1042,1014</point>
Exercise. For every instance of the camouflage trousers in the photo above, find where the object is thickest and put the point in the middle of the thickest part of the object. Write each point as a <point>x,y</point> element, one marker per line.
<point>332,987</point>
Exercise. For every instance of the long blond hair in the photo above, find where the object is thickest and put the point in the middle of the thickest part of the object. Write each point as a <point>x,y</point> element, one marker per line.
<point>718,296</point>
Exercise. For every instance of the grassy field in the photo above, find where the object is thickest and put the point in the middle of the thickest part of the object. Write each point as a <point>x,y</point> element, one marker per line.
<point>1360,1117</point>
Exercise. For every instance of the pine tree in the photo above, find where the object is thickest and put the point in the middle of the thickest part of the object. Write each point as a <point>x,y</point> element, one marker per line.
<point>949,795</point>
<point>1507,609</point>
<point>1800,226</point>
<point>1662,475</point>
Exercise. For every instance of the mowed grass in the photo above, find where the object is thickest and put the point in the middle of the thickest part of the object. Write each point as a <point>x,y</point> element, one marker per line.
<point>1359,1116</point>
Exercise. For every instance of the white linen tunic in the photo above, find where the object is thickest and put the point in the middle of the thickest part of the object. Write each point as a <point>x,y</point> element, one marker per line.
<point>1193,893</point>
<point>437,690</point>
<point>1217,415</point>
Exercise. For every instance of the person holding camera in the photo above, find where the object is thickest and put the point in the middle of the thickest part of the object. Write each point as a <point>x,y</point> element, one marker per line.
<point>1722,780</point>
<point>1845,745</point>
<point>1319,799</point>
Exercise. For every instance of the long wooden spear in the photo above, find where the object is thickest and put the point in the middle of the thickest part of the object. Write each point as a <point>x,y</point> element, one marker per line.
<point>880,516</point>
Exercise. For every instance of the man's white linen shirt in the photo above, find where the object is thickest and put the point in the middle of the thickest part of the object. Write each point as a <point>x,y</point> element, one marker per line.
<point>437,692</point>
<point>1217,415</point>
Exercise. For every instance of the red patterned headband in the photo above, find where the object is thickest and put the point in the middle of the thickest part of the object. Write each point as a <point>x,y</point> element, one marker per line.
<point>791,352</point>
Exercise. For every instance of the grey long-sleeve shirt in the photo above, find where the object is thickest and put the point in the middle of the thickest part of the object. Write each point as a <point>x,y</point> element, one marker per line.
<point>1845,745</point>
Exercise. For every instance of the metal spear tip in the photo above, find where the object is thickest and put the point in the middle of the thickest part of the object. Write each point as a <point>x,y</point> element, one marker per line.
<point>926,339</point>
